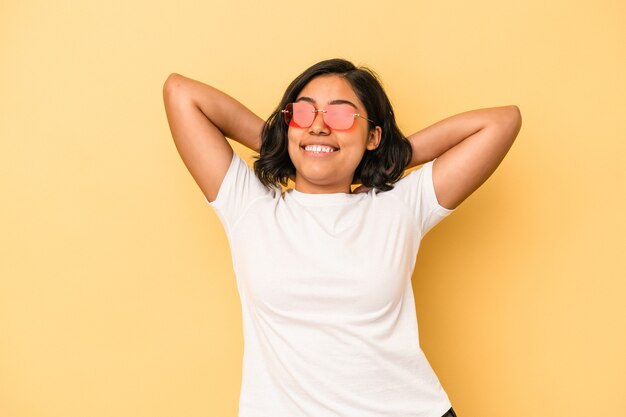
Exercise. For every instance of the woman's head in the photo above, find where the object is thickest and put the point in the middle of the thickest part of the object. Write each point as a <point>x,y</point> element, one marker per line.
<point>372,151</point>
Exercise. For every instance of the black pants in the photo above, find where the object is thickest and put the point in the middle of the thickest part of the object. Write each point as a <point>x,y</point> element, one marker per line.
<point>449,413</point>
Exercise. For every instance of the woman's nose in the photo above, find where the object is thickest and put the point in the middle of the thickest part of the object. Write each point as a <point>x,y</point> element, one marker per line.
<point>318,126</point>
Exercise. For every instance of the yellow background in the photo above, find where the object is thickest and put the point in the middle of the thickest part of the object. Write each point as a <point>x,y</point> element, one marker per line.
<point>117,296</point>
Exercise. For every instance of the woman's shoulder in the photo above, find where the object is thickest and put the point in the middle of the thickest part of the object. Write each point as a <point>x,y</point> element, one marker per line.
<point>411,179</point>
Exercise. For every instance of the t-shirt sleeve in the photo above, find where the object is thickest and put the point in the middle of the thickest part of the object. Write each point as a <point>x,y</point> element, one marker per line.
<point>239,189</point>
<point>417,191</point>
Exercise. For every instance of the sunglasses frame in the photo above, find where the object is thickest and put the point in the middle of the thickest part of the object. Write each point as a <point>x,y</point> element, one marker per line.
<point>288,115</point>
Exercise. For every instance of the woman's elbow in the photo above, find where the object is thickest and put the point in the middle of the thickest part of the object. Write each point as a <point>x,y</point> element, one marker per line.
<point>511,120</point>
<point>172,82</point>
<point>515,115</point>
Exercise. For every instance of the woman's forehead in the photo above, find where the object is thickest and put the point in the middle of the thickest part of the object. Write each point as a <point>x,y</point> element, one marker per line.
<point>328,89</point>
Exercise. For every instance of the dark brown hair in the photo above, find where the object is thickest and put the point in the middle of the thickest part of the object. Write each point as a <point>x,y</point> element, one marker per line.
<point>379,168</point>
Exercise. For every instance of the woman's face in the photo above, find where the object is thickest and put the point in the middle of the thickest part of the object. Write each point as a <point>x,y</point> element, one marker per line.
<point>329,172</point>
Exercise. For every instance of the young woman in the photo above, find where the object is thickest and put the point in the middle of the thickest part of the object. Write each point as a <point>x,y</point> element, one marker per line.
<point>324,272</point>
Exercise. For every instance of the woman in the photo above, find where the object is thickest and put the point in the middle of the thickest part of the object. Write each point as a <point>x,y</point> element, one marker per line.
<point>324,272</point>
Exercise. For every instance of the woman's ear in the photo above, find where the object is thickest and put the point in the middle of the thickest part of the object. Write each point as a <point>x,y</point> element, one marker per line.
<point>374,138</point>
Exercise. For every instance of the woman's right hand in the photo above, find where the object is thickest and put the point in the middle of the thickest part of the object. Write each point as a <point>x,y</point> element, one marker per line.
<point>200,118</point>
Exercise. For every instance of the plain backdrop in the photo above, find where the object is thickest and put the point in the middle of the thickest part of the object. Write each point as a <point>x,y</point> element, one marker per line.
<point>117,294</point>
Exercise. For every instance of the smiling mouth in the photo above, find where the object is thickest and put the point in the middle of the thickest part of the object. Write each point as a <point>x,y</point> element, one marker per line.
<point>320,149</point>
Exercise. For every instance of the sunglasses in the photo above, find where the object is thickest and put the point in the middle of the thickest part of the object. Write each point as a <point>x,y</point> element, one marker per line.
<point>336,116</point>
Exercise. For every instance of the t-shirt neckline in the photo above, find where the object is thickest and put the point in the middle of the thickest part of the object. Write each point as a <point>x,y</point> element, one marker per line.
<point>324,198</point>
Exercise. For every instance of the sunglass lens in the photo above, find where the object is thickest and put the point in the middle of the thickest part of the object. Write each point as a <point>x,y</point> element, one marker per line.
<point>339,116</point>
<point>303,114</point>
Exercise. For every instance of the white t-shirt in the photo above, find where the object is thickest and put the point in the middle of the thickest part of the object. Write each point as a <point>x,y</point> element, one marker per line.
<point>329,320</point>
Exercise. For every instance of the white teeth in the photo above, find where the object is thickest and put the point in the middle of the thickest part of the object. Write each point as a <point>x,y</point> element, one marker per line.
<point>318,148</point>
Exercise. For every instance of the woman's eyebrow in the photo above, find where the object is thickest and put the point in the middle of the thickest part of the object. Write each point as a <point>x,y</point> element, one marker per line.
<point>342,102</point>
<point>338,101</point>
<point>308,99</point>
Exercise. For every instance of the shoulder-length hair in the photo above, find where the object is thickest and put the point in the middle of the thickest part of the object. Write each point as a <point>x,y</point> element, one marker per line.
<point>379,168</point>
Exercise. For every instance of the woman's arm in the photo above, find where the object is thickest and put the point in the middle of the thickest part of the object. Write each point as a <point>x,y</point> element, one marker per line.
<point>200,118</point>
<point>468,146</point>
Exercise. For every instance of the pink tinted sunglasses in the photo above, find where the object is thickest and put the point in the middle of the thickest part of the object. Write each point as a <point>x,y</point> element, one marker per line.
<point>336,116</point>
